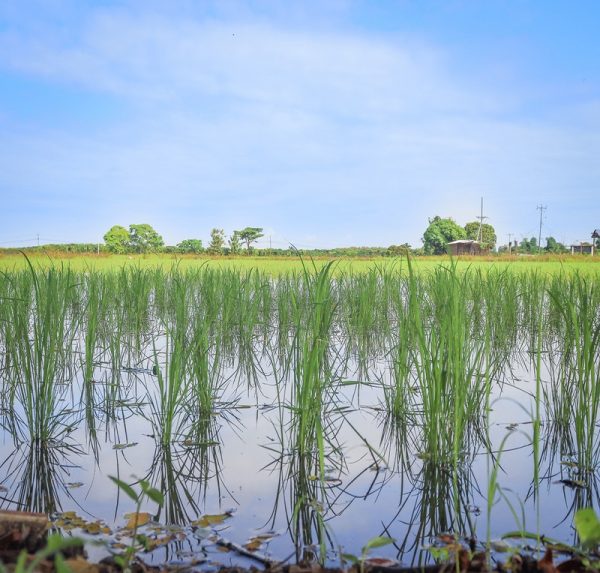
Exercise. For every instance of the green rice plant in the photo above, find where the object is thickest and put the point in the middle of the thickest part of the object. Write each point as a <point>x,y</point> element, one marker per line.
<point>449,366</point>
<point>363,317</point>
<point>310,431</point>
<point>42,339</point>
<point>135,288</point>
<point>537,419</point>
<point>579,368</point>
<point>169,400</point>
<point>94,315</point>
<point>311,376</point>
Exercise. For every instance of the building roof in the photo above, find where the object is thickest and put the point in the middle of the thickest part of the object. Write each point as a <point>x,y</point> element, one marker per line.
<point>464,242</point>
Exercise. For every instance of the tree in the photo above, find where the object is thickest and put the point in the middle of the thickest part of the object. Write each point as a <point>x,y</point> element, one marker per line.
<point>143,238</point>
<point>217,241</point>
<point>399,250</point>
<point>234,243</point>
<point>488,234</point>
<point>190,246</point>
<point>249,235</point>
<point>553,246</point>
<point>117,239</point>
<point>528,245</point>
<point>439,233</point>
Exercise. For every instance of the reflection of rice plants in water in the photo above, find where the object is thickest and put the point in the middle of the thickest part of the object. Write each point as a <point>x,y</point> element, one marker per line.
<point>183,471</point>
<point>434,507</point>
<point>37,475</point>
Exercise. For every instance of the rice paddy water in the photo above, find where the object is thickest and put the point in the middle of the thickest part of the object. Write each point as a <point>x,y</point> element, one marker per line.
<point>301,415</point>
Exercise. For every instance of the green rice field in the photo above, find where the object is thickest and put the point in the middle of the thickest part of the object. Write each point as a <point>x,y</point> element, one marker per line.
<point>290,410</point>
<point>281,265</point>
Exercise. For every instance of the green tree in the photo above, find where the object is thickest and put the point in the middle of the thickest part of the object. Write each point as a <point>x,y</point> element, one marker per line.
<point>528,246</point>
<point>439,233</point>
<point>250,235</point>
<point>488,234</point>
<point>190,246</point>
<point>235,245</point>
<point>117,239</point>
<point>144,239</point>
<point>398,250</point>
<point>217,241</point>
<point>553,246</point>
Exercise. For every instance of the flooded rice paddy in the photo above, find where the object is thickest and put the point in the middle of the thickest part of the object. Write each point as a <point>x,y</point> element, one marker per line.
<point>302,416</point>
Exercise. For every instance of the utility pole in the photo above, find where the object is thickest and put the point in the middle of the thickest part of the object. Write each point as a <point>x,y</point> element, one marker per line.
<point>541,209</point>
<point>509,243</point>
<point>481,218</point>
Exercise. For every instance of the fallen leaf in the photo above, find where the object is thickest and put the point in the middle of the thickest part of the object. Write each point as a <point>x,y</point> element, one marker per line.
<point>265,536</point>
<point>253,545</point>
<point>137,519</point>
<point>380,562</point>
<point>209,520</point>
<point>92,528</point>
<point>573,483</point>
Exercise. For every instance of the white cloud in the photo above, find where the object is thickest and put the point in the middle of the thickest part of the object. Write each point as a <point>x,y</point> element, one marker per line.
<point>338,137</point>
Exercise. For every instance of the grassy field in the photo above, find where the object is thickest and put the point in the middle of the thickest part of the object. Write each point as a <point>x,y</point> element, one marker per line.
<point>279,265</point>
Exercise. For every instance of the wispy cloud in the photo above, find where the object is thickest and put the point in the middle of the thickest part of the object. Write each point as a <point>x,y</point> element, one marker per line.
<point>325,136</point>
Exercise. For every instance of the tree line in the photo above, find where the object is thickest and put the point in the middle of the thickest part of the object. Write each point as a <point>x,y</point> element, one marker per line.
<point>143,238</point>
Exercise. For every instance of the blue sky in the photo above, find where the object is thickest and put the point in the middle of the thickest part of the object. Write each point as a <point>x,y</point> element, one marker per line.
<point>326,123</point>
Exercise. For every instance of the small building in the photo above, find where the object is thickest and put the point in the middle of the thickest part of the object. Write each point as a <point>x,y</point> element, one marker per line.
<point>583,248</point>
<point>465,247</point>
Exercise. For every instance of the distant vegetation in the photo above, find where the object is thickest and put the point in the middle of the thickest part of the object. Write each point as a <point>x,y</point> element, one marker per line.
<point>144,239</point>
